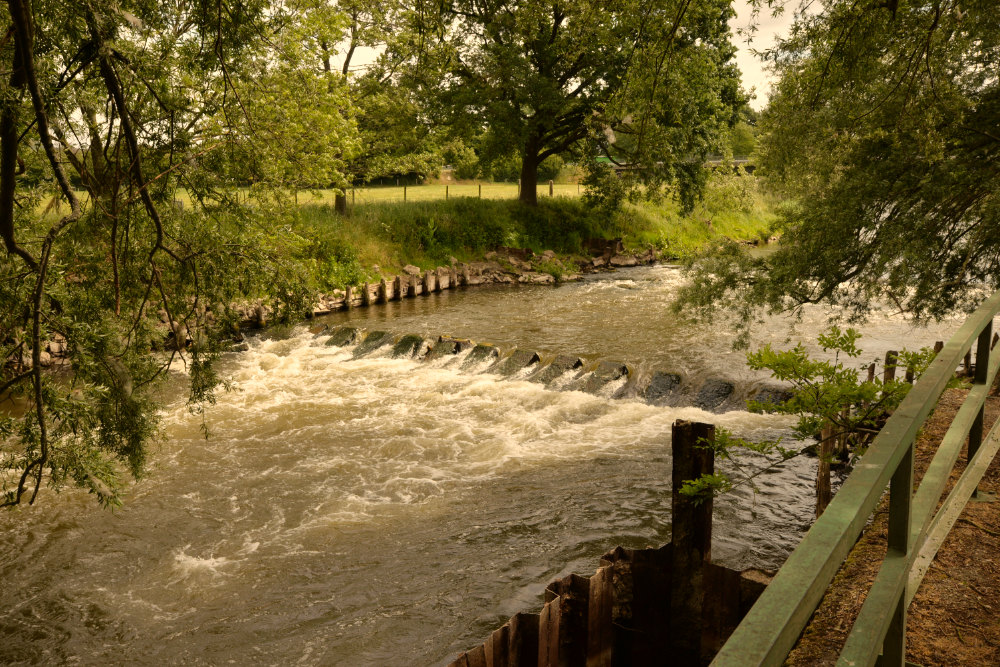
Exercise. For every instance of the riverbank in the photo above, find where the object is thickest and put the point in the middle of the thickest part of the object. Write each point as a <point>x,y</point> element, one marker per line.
<point>373,241</point>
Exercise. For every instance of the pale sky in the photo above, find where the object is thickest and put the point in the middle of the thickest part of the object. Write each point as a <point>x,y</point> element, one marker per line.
<point>768,28</point>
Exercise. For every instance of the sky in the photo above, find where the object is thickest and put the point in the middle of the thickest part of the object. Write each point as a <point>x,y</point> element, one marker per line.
<point>768,29</point>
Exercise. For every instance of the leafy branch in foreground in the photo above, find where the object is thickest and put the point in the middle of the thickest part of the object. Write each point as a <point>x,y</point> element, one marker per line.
<point>833,403</point>
<point>882,131</point>
<point>152,121</point>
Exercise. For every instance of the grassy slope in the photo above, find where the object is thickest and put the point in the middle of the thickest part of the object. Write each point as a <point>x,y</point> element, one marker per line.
<point>427,232</point>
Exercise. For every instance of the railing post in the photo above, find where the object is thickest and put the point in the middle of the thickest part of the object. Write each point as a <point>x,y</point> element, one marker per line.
<point>900,501</point>
<point>982,371</point>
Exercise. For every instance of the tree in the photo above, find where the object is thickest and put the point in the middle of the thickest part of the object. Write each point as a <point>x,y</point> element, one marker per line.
<point>147,103</point>
<point>883,135</point>
<point>650,83</point>
<point>834,404</point>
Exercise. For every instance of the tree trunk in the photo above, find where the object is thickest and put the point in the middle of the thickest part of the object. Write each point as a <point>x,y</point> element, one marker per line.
<point>340,203</point>
<point>529,175</point>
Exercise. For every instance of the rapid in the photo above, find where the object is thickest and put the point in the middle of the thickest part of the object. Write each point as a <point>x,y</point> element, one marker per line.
<point>380,511</point>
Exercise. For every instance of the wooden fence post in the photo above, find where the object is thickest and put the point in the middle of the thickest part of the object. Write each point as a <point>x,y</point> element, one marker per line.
<point>889,372</point>
<point>823,487</point>
<point>692,539</point>
<point>550,188</point>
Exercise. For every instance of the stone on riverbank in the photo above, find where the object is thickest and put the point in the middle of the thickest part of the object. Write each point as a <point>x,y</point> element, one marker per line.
<point>410,345</point>
<point>373,342</point>
<point>560,366</point>
<point>344,336</point>
<point>482,355</point>
<point>605,373</point>
<point>713,393</point>
<point>517,361</point>
<point>447,347</point>
<point>660,386</point>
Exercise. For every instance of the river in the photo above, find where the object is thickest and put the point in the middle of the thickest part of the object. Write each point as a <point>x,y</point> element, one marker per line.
<point>379,511</point>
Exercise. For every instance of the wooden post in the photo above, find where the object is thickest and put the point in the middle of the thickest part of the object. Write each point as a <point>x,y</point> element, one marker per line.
<point>366,295</point>
<point>348,296</point>
<point>823,488</point>
<point>692,539</point>
<point>404,189</point>
<point>352,197</point>
<point>523,639</point>
<point>383,291</point>
<point>967,370</point>
<point>562,625</point>
<point>550,188</point>
<point>845,417</point>
<point>480,190</point>
<point>397,288</point>
<point>439,278</point>
<point>889,372</point>
<point>446,190</point>
<point>412,289</point>
<point>452,278</point>
<point>428,280</point>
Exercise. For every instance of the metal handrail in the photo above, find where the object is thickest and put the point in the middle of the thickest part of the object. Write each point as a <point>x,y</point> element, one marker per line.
<point>773,625</point>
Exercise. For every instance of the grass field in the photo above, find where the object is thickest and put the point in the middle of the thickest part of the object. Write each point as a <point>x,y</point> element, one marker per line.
<point>385,194</point>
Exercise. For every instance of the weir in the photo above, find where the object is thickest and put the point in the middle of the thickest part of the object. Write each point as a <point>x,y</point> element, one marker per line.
<point>562,372</point>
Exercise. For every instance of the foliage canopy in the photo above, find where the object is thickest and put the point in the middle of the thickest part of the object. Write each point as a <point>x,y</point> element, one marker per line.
<point>883,132</point>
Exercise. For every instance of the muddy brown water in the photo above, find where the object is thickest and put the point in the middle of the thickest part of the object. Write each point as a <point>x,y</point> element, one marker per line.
<point>381,511</point>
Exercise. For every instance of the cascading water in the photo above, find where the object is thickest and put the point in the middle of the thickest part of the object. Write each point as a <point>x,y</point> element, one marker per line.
<point>380,511</point>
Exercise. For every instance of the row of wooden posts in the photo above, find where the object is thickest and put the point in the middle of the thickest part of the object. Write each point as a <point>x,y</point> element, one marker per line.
<point>661,606</point>
<point>447,191</point>
<point>407,286</point>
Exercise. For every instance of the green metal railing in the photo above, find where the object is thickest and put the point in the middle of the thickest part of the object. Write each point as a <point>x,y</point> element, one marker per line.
<point>916,531</point>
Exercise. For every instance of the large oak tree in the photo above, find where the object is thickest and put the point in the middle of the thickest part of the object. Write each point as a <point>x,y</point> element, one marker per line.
<point>649,83</point>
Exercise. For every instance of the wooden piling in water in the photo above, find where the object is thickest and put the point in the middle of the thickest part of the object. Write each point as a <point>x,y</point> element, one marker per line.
<point>666,606</point>
<point>691,533</point>
<point>889,370</point>
<point>348,296</point>
<point>824,493</point>
<point>383,291</point>
<point>366,295</point>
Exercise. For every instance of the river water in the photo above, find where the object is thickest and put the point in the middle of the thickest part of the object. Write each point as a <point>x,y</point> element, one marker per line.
<point>379,511</point>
